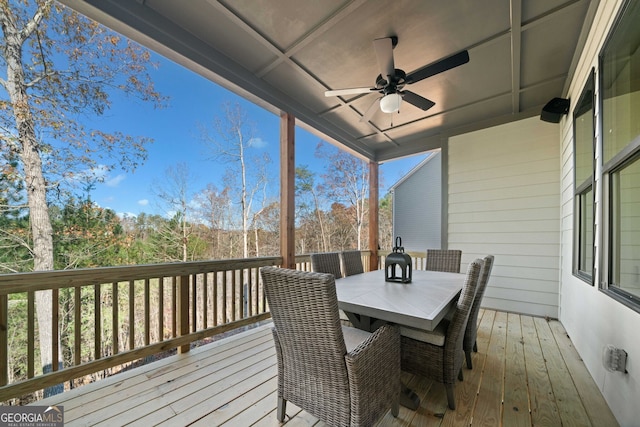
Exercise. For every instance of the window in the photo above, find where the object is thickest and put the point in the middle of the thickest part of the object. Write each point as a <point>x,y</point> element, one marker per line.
<point>583,137</point>
<point>620,83</point>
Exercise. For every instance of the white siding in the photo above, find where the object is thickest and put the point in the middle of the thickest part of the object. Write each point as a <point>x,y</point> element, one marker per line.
<point>417,207</point>
<point>503,200</point>
<point>591,318</point>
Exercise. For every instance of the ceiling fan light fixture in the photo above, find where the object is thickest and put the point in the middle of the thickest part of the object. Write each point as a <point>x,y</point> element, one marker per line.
<point>390,103</point>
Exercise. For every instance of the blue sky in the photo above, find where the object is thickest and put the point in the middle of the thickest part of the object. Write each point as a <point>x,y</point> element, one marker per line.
<point>194,101</point>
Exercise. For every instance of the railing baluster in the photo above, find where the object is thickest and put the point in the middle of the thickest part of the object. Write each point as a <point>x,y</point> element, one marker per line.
<point>147,312</point>
<point>55,329</point>
<point>160,309</point>
<point>97,322</point>
<point>174,307</point>
<point>225,317</point>
<point>264,296</point>
<point>183,310</point>
<point>242,295</point>
<point>31,333</point>
<point>233,295</point>
<point>205,293</point>
<point>249,292</point>
<point>132,315</point>
<point>256,283</point>
<point>4,341</point>
<point>194,303</point>
<point>77,325</point>
<point>114,318</point>
<point>214,298</point>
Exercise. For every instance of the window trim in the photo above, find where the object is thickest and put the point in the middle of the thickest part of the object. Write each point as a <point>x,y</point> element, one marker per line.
<point>585,103</point>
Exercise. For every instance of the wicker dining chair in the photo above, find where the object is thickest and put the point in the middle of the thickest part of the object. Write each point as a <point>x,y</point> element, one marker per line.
<point>471,332</point>
<point>327,262</point>
<point>341,375</point>
<point>438,354</point>
<point>443,260</point>
<point>352,262</point>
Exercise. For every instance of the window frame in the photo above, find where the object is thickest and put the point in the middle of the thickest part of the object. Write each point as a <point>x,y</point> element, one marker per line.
<point>585,188</point>
<point>619,161</point>
<point>632,154</point>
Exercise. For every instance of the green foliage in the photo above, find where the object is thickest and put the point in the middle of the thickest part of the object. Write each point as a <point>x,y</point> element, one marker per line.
<point>86,235</point>
<point>17,336</point>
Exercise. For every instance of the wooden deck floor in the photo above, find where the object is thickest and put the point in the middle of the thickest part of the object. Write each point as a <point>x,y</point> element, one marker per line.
<point>526,373</point>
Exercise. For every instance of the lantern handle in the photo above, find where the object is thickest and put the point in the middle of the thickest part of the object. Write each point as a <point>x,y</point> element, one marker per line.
<point>398,247</point>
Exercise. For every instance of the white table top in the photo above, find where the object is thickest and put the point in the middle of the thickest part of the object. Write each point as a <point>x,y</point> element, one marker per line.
<point>420,304</point>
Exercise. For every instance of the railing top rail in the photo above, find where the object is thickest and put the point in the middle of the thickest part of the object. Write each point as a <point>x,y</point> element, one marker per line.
<point>45,280</point>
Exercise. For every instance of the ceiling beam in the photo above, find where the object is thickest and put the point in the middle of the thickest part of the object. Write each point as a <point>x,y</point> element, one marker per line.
<point>552,14</point>
<point>313,35</point>
<point>516,46</point>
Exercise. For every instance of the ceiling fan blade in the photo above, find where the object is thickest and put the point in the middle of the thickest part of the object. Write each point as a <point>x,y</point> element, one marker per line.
<point>384,53</point>
<point>372,109</point>
<point>437,67</point>
<point>417,100</point>
<point>352,91</point>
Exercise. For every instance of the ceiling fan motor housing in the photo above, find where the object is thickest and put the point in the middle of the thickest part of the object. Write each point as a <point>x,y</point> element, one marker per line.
<point>393,84</point>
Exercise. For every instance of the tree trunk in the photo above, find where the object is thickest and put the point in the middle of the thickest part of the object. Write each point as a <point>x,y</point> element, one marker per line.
<point>243,201</point>
<point>323,232</point>
<point>28,150</point>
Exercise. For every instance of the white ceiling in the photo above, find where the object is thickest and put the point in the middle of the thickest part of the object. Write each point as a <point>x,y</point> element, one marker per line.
<point>284,54</point>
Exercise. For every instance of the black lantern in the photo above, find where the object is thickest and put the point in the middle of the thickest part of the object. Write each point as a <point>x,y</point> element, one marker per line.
<point>398,260</point>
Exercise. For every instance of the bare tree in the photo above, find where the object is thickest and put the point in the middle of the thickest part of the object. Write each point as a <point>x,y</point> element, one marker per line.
<point>59,68</point>
<point>385,222</point>
<point>306,188</point>
<point>213,208</point>
<point>175,193</point>
<point>346,181</point>
<point>234,139</point>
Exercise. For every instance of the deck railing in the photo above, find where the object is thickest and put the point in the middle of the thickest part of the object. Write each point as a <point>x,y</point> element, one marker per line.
<point>105,318</point>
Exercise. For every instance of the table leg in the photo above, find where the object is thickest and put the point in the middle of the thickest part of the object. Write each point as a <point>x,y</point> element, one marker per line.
<point>359,321</point>
<point>363,322</point>
<point>408,398</point>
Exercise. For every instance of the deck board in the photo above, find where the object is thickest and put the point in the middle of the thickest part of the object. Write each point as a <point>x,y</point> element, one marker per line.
<point>526,372</point>
<point>487,411</point>
<point>544,411</point>
<point>570,407</point>
<point>597,409</point>
<point>516,399</point>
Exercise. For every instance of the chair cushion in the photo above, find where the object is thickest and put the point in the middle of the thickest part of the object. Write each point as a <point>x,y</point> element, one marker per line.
<point>353,337</point>
<point>435,337</point>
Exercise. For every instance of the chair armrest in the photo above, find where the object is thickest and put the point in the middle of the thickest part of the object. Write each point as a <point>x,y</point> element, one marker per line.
<point>374,375</point>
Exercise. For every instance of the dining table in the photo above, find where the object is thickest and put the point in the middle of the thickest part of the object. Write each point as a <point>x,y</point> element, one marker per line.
<point>370,301</point>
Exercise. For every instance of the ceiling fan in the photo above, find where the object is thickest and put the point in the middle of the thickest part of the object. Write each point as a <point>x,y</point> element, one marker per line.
<point>391,81</point>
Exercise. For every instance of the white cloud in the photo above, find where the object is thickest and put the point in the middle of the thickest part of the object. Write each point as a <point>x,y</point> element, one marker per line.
<point>98,173</point>
<point>143,202</point>
<point>114,182</point>
<point>257,143</point>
